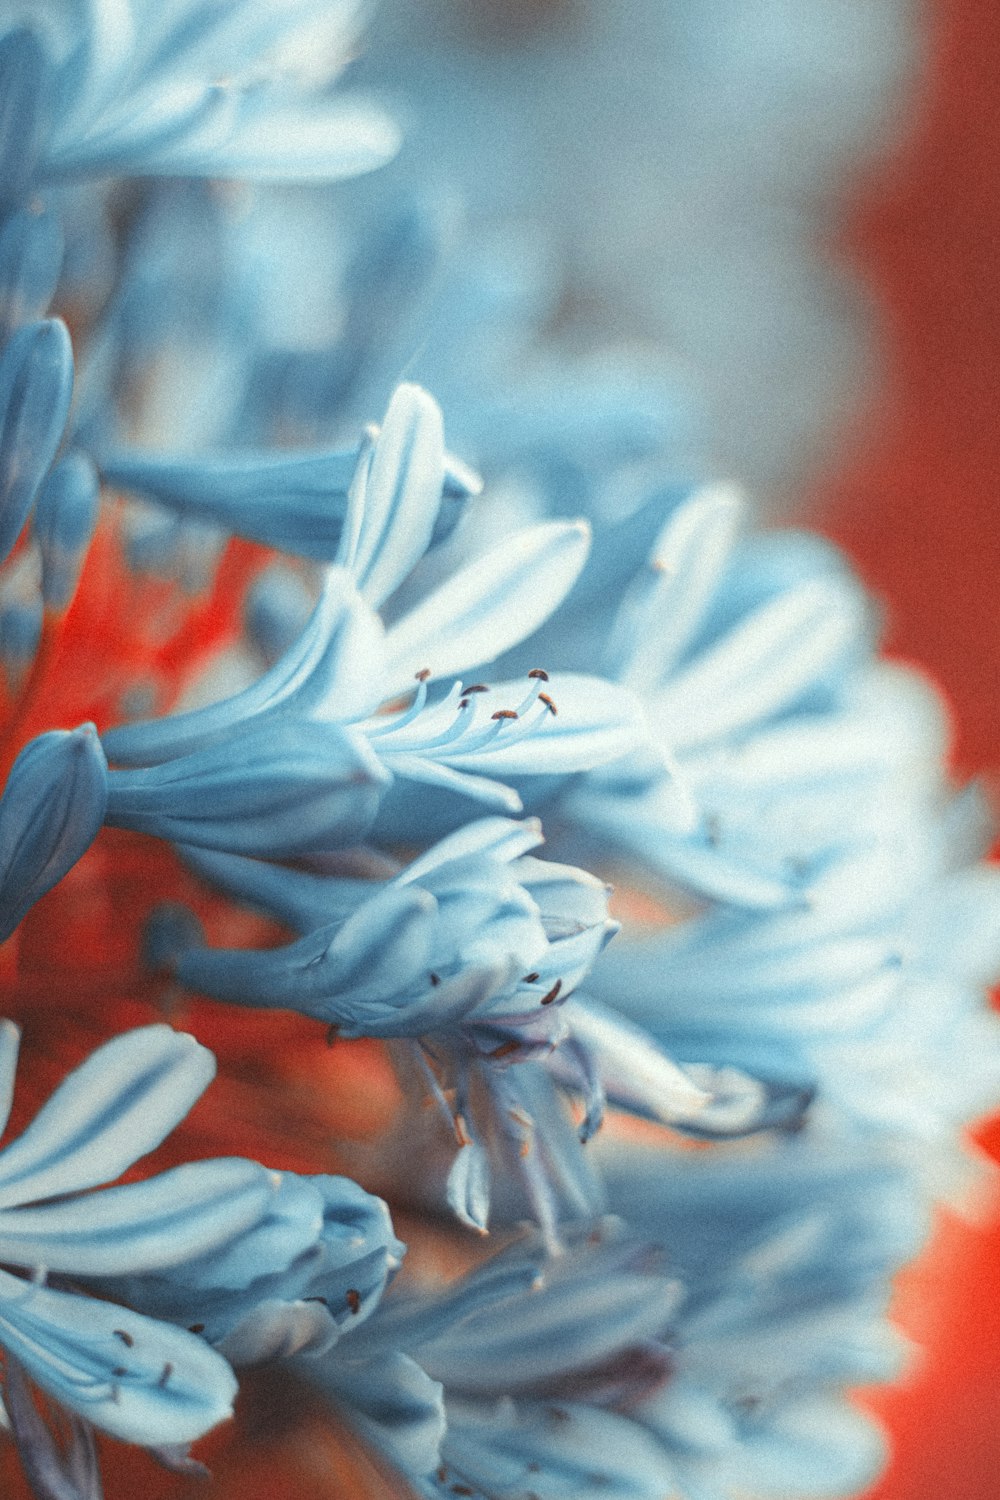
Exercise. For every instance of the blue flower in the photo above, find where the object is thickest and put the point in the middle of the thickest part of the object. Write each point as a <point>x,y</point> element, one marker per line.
<point>345,665</point>
<point>751,660</point>
<point>787,1277</point>
<point>130,1375</point>
<point>299,501</point>
<point>224,1245</point>
<point>471,952</point>
<point>711,1341</point>
<point>137,90</point>
<point>309,1271</point>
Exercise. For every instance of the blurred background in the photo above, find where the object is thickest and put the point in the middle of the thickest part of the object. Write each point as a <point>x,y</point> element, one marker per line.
<point>796,205</point>
<point>915,504</point>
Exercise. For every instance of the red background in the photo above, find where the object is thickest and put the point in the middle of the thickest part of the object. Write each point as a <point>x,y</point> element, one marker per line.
<point>917,510</point>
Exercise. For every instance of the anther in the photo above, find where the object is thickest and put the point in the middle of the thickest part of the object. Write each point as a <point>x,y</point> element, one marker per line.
<point>505,1049</point>
<point>478,687</point>
<point>165,1374</point>
<point>126,1338</point>
<point>553,993</point>
<point>537,672</point>
<point>504,713</point>
<point>120,1370</point>
<point>196,1328</point>
<point>461,1134</point>
<point>548,703</point>
<point>531,978</point>
<point>435,980</point>
<point>354,1300</point>
<point>463,702</point>
<point>423,674</point>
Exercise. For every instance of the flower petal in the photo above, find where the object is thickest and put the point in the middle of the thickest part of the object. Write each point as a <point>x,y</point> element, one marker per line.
<point>31,247</point>
<point>395,496</point>
<point>332,672</point>
<point>766,662</point>
<point>489,605</point>
<point>36,383</point>
<point>115,1107</point>
<point>666,604</point>
<point>141,1226</point>
<point>140,1380</point>
<point>293,501</point>
<point>285,787</point>
<point>51,810</point>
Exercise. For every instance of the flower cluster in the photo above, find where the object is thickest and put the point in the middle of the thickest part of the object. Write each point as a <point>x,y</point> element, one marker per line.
<point>288,699</point>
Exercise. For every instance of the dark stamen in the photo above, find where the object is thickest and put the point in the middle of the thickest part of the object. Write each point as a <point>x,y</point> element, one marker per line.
<point>354,1300</point>
<point>435,980</point>
<point>548,703</point>
<point>537,672</point>
<point>553,993</point>
<point>120,1370</point>
<point>126,1338</point>
<point>423,674</point>
<point>505,1049</point>
<point>165,1374</point>
<point>504,713</point>
<point>478,687</point>
<point>531,978</point>
<point>196,1328</point>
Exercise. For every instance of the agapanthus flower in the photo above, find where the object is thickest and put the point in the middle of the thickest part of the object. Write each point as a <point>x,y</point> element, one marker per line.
<point>470,953</point>
<point>228,1224</point>
<point>288,700</point>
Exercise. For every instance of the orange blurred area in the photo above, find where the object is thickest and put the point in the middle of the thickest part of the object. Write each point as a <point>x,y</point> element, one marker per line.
<point>917,510</point>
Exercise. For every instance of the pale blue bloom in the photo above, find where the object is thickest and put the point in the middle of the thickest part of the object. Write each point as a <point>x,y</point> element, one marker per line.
<point>135,1377</point>
<point>471,951</point>
<point>711,1342</point>
<point>777,729</point>
<point>787,1273</point>
<point>310,1271</point>
<point>225,1240</point>
<point>742,748</point>
<point>333,680</point>
<point>185,87</point>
